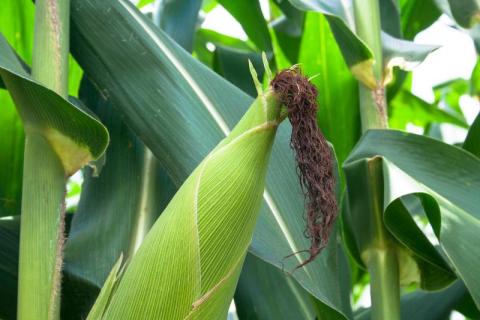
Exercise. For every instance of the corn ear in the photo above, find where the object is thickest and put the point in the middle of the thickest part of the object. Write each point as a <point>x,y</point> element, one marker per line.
<point>189,263</point>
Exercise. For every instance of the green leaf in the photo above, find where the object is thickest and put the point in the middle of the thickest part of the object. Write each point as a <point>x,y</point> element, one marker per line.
<point>390,17</point>
<point>465,12</point>
<point>143,3</point>
<point>340,18</point>
<point>338,113</point>
<point>286,30</point>
<point>403,54</point>
<point>16,23</point>
<point>472,142</point>
<point>180,110</point>
<point>108,223</point>
<point>249,14</point>
<point>107,291</point>
<point>443,187</point>
<point>175,15</point>
<point>417,15</point>
<point>75,136</point>
<point>9,255</point>
<point>232,65</point>
<point>265,293</point>
<point>407,108</point>
<point>9,244</point>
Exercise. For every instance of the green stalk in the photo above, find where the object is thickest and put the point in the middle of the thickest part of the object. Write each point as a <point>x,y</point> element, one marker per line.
<point>43,209</point>
<point>384,285</point>
<point>381,258</point>
<point>372,95</point>
<point>51,44</point>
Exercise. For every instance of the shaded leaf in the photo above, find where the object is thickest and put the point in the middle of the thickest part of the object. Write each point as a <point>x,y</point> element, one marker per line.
<point>410,168</point>
<point>175,15</point>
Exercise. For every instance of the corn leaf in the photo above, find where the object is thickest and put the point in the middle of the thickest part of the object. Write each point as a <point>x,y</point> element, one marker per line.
<point>14,16</point>
<point>9,243</point>
<point>263,293</point>
<point>108,224</point>
<point>407,108</point>
<point>179,17</point>
<point>417,15</point>
<point>446,195</point>
<point>171,100</point>
<point>341,21</point>
<point>63,125</point>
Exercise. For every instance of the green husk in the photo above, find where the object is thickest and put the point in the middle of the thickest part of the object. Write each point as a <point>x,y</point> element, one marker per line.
<point>189,263</point>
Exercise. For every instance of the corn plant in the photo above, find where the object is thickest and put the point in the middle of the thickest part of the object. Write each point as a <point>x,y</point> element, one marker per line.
<point>275,174</point>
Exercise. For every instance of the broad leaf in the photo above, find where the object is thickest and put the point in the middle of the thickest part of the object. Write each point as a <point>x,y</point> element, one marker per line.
<point>74,135</point>
<point>444,188</point>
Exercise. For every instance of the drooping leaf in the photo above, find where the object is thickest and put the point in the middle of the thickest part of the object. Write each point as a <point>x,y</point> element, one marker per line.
<point>403,54</point>
<point>413,164</point>
<point>341,21</point>
<point>75,136</point>
<point>171,100</point>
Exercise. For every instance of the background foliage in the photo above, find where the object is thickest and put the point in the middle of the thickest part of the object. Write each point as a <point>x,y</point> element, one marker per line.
<point>160,129</point>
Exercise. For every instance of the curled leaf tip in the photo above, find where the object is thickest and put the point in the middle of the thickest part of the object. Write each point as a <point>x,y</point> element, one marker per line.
<point>313,156</point>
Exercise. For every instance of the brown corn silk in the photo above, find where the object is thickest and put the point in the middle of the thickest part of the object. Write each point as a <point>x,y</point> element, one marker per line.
<point>313,157</point>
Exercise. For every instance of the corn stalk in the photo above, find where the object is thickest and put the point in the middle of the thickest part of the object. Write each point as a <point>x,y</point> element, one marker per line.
<point>43,209</point>
<point>60,139</point>
<point>380,255</point>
